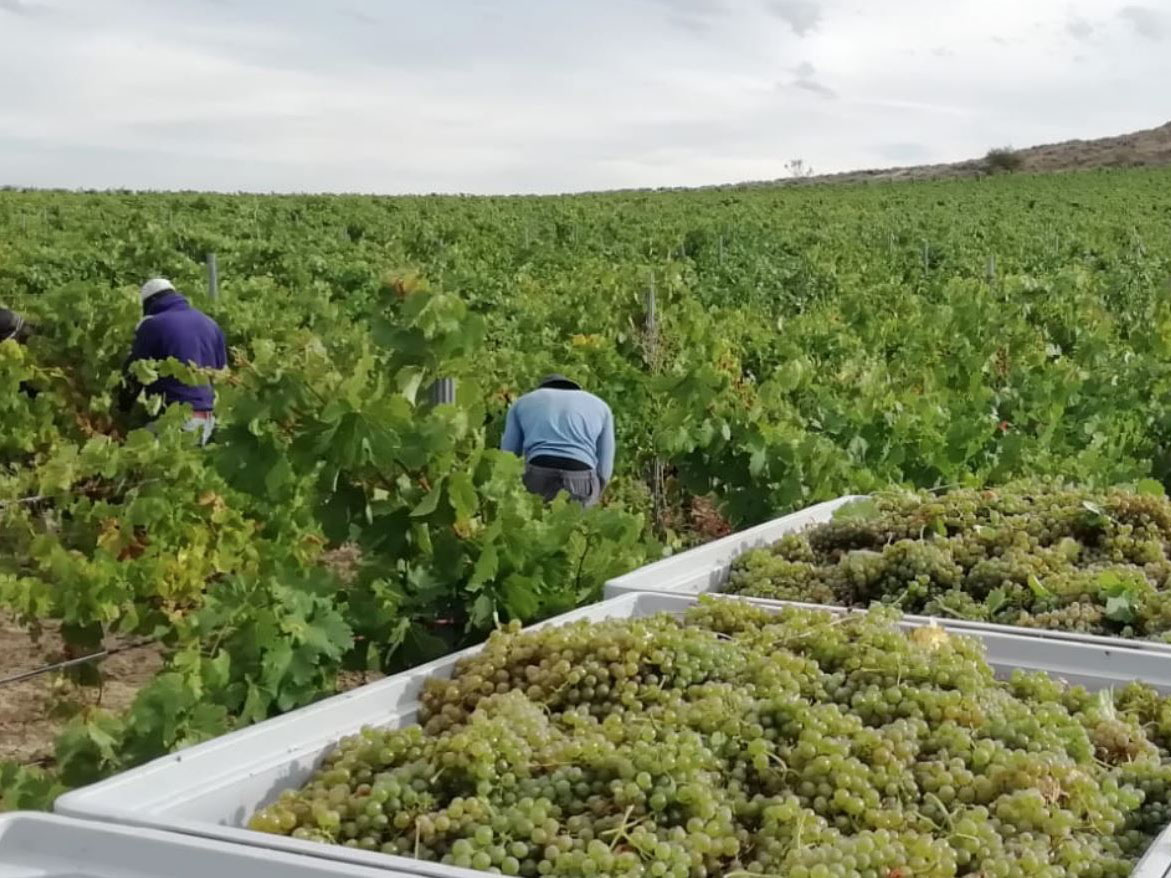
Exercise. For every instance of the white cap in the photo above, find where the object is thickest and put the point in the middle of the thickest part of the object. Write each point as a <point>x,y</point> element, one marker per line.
<point>154,286</point>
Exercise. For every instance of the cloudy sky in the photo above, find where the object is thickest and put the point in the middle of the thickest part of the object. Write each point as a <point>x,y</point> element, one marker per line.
<point>501,96</point>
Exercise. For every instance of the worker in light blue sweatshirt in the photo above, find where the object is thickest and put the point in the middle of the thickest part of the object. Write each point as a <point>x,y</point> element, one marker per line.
<point>566,437</point>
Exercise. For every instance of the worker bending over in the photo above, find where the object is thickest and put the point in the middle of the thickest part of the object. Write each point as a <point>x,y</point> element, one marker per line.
<point>172,328</point>
<point>566,437</point>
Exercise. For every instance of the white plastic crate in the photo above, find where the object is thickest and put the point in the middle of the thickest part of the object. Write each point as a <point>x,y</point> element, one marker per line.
<point>45,846</point>
<point>211,789</point>
<point>705,570</point>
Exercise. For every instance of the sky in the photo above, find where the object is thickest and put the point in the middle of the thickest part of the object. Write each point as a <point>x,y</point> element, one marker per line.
<point>540,96</point>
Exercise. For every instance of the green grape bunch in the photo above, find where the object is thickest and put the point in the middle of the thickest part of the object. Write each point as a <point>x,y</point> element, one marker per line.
<point>739,741</point>
<point>1033,554</point>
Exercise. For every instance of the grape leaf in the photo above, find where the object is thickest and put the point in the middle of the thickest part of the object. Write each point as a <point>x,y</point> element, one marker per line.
<point>430,502</point>
<point>485,568</point>
<point>865,509</point>
<point>461,493</point>
<point>1150,488</point>
<point>1121,608</point>
<point>1037,588</point>
<point>520,597</point>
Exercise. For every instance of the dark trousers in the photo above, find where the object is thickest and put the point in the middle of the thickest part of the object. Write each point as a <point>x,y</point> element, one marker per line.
<point>584,486</point>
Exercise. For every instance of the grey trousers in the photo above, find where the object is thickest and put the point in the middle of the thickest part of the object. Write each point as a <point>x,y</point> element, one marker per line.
<point>203,426</point>
<point>583,486</point>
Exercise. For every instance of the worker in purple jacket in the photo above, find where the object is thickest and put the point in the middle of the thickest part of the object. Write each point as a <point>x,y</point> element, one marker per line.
<point>170,327</point>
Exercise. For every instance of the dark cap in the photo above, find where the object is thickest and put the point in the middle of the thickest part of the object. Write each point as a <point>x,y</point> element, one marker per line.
<point>560,382</point>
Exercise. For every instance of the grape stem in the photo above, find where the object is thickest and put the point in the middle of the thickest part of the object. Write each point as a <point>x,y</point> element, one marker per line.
<point>619,831</point>
<point>781,762</point>
<point>581,563</point>
<point>939,803</point>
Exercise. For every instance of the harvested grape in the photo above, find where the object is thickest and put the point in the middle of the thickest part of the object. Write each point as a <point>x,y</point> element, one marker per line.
<point>739,740</point>
<point>1034,555</point>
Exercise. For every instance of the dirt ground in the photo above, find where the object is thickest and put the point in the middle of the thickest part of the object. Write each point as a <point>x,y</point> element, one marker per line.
<point>30,709</point>
<point>33,711</point>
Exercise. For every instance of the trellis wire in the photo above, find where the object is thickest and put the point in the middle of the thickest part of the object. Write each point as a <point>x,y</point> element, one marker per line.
<point>97,656</point>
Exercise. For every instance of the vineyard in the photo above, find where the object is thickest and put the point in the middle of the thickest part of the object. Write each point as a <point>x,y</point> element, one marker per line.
<point>761,350</point>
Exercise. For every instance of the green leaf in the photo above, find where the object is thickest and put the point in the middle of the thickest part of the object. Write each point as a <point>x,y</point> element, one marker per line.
<point>996,601</point>
<point>1110,582</point>
<point>865,509</point>
<point>408,379</point>
<point>461,494</point>
<point>789,376</point>
<point>758,462</point>
<point>27,788</point>
<point>206,721</point>
<point>430,503</point>
<point>422,535</point>
<point>486,566</point>
<point>482,611</point>
<point>105,742</point>
<point>217,671</point>
<point>1038,590</point>
<point>1121,608</point>
<point>1150,488</point>
<point>420,645</point>
<point>279,476</point>
<point>520,598</point>
<point>89,746</point>
<point>275,664</point>
<point>255,704</point>
<point>161,704</point>
<point>329,635</point>
<point>145,372</point>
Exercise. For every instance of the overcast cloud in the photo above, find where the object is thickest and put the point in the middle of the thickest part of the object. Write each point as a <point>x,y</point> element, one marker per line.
<point>501,96</point>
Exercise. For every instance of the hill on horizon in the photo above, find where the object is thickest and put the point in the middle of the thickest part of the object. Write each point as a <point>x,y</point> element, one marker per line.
<point>1149,148</point>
